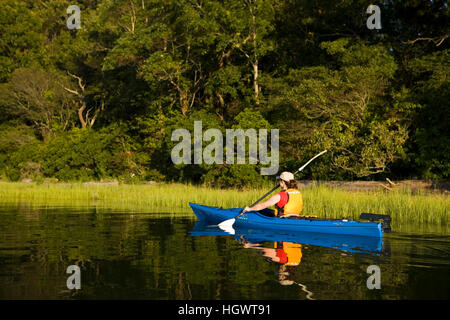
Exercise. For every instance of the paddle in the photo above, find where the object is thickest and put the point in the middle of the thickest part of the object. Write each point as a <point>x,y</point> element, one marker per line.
<point>227,224</point>
<point>375,217</point>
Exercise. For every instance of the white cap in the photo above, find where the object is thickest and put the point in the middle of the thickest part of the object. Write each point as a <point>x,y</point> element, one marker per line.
<point>286,282</point>
<point>286,176</point>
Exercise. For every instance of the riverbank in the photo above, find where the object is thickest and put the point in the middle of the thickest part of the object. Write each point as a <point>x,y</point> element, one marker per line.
<point>319,199</point>
<point>415,186</point>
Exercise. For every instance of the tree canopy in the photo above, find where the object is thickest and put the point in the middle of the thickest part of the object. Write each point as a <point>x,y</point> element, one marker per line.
<point>102,101</point>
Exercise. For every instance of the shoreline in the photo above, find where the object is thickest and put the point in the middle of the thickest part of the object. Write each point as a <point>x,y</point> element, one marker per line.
<point>406,185</point>
<point>414,186</point>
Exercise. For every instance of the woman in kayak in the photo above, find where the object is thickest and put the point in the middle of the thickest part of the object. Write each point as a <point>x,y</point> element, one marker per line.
<point>288,201</point>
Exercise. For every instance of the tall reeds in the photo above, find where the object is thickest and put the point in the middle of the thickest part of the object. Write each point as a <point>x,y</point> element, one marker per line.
<point>402,205</point>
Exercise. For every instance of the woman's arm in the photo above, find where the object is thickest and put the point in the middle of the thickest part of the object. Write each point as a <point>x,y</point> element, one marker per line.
<point>271,202</point>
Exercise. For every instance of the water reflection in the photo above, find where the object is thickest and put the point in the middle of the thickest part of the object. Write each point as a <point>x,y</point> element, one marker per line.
<point>285,248</point>
<point>137,256</point>
<point>371,245</point>
<point>288,255</point>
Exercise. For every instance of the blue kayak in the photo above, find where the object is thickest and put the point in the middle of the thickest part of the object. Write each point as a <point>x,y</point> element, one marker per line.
<point>348,243</point>
<point>259,220</point>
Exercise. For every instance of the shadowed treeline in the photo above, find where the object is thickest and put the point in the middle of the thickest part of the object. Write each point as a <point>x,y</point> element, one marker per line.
<point>101,101</point>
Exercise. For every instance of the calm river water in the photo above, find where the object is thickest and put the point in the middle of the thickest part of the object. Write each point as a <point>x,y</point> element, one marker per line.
<point>146,256</point>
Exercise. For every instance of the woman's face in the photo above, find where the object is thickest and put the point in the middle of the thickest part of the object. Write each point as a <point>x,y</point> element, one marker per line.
<point>283,185</point>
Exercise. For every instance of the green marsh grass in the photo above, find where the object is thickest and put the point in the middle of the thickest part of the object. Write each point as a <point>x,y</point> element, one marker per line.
<point>403,205</point>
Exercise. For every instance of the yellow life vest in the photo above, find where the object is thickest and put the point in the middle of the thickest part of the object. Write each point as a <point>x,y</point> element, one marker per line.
<point>294,204</point>
<point>293,252</point>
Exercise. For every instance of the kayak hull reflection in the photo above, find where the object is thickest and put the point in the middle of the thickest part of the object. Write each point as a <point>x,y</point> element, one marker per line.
<point>256,220</point>
<point>348,243</point>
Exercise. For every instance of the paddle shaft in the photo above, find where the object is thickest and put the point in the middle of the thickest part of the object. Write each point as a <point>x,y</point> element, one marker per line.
<point>274,188</point>
<point>310,160</point>
<point>277,186</point>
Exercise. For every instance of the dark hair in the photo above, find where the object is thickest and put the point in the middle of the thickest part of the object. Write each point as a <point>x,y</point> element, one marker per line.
<point>291,184</point>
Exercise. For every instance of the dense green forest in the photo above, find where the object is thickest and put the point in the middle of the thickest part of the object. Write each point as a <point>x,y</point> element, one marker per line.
<point>101,101</point>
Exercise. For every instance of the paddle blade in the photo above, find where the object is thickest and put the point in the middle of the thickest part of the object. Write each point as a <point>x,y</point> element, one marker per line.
<point>229,230</point>
<point>227,226</point>
<point>227,223</point>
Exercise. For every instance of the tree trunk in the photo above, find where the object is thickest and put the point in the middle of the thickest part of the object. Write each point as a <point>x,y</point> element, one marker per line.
<point>255,62</point>
<point>255,81</point>
<point>80,114</point>
<point>222,105</point>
